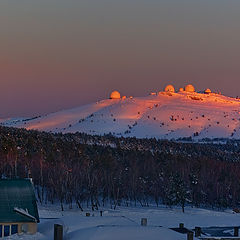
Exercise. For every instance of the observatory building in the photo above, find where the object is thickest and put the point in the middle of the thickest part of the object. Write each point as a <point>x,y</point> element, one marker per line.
<point>207,91</point>
<point>181,89</point>
<point>115,95</point>
<point>189,88</point>
<point>169,88</point>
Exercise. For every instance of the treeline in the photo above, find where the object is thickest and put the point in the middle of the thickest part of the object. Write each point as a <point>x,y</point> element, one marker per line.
<point>78,168</point>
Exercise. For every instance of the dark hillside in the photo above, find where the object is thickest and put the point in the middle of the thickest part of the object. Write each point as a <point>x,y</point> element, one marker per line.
<point>82,168</point>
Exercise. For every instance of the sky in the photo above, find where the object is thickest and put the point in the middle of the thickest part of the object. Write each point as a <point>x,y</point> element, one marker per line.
<point>58,54</point>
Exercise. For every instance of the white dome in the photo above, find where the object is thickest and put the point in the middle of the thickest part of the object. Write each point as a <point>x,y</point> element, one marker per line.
<point>189,88</point>
<point>115,95</point>
<point>169,88</point>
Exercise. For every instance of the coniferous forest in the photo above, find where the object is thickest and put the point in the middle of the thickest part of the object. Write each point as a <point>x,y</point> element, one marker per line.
<point>99,170</point>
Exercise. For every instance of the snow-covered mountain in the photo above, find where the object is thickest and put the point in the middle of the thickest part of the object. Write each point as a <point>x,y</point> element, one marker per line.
<point>164,115</point>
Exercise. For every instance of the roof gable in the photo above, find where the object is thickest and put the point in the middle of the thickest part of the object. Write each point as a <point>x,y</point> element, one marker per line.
<point>17,193</point>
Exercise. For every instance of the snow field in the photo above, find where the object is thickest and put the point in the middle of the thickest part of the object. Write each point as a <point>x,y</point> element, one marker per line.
<point>124,223</point>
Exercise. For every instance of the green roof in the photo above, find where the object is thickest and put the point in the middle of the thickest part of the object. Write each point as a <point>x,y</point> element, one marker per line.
<point>17,194</point>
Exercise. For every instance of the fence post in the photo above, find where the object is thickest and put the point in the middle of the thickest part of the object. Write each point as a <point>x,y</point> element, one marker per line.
<point>144,221</point>
<point>236,231</point>
<point>190,236</point>
<point>181,225</point>
<point>58,232</point>
<point>198,231</point>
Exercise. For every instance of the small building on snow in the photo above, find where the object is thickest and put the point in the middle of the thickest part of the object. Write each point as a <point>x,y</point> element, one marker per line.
<point>169,88</point>
<point>115,95</point>
<point>18,207</point>
<point>181,89</point>
<point>207,91</point>
<point>189,88</point>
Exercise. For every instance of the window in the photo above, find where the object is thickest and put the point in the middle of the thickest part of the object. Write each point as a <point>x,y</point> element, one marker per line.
<point>14,229</point>
<point>6,230</point>
<point>0,231</point>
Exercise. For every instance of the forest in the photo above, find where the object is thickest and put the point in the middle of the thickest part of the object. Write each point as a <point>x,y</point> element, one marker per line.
<point>98,170</point>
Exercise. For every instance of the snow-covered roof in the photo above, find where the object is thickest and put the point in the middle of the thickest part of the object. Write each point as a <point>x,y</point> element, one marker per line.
<point>17,201</point>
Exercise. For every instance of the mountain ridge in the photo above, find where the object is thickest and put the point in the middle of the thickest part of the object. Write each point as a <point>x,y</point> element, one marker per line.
<point>163,115</point>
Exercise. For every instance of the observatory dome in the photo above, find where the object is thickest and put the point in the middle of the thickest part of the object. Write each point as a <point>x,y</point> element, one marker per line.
<point>181,89</point>
<point>207,91</point>
<point>189,88</point>
<point>115,95</point>
<point>169,88</point>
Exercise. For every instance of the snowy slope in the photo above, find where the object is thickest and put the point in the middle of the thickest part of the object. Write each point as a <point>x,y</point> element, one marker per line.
<point>164,115</point>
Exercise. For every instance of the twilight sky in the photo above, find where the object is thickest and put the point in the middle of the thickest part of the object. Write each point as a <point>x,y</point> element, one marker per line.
<point>57,54</point>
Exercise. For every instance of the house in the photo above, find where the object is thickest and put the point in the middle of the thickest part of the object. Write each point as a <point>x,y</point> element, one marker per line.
<point>18,207</point>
